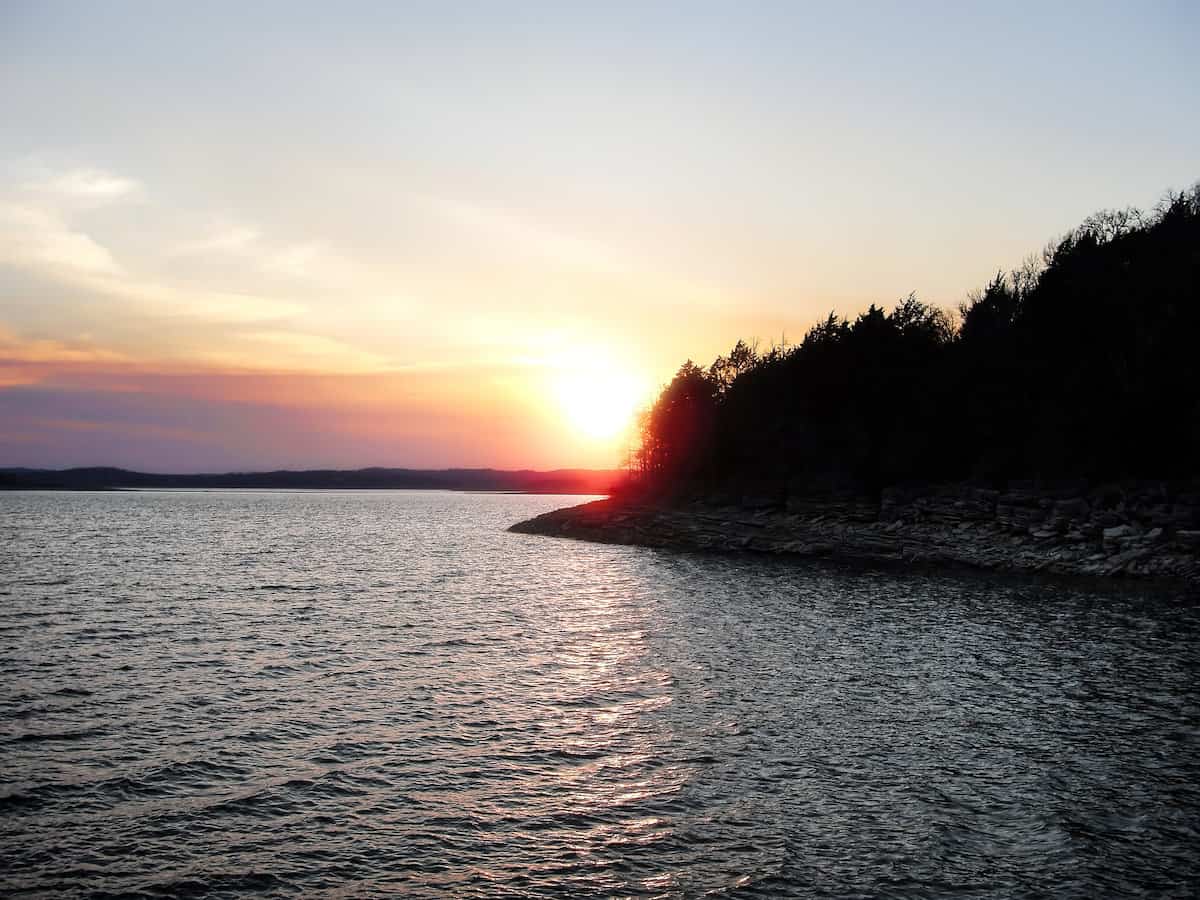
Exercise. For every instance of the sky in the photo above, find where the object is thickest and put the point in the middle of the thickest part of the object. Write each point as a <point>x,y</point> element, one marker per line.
<point>249,236</point>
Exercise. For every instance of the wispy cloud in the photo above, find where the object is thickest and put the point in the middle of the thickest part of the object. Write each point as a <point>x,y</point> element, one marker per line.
<point>516,233</point>
<point>40,236</point>
<point>228,239</point>
<point>159,298</point>
<point>128,284</point>
<point>314,260</point>
<point>315,263</point>
<point>37,238</point>
<point>294,351</point>
<point>29,360</point>
<point>89,186</point>
<point>41,350</point>
<point>40,241</point>
<point>43,182</point>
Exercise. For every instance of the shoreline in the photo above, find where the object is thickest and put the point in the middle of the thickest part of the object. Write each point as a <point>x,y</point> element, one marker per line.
<point>985,537</point>
<point>289,490</point>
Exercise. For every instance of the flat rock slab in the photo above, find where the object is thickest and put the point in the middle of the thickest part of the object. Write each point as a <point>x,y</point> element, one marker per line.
<point>987,545</point>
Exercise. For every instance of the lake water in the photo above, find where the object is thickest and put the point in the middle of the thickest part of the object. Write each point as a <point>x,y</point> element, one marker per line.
<point>348,694</point>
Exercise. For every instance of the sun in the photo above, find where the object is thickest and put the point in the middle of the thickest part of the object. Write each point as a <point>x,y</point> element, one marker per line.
<point>597,404</point>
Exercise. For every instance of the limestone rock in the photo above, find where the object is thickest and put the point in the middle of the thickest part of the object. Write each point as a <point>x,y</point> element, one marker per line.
<point>1063,532</point>
<point>1119,531</point>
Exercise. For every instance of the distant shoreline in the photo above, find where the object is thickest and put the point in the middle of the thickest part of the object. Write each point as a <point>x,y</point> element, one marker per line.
<point>294,490</point>
<point>559,481</point>
<point>951,527</point>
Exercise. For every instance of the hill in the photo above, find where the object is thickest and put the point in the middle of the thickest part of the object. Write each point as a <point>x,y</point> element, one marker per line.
<point>561,481</point>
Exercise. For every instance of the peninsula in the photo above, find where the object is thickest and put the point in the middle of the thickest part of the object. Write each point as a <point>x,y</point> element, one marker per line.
<point>1052,424</point>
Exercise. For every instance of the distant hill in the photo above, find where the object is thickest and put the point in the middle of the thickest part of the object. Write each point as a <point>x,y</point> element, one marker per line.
<point>559,481</point>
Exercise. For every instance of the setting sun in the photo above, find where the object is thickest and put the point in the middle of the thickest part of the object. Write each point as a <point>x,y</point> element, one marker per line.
<point>598,405</point>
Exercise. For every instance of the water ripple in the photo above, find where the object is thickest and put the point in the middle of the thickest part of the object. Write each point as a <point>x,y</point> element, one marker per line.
<point>349,694</point>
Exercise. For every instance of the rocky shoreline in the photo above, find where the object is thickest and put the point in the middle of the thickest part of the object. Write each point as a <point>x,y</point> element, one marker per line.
<point>1142,533</point>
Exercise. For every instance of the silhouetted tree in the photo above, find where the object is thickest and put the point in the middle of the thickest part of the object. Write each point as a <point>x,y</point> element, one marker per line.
<point>1079,364</point>
<point>677,429</point>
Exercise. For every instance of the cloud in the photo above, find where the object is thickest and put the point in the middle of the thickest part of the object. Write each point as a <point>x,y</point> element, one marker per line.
<point>316,263</point>
<point>41,241</point>
<point>40,350</point>
<point>515,233</point>
<point>233,239</point>
<point>52,250</point>
<point>90,186</point>
<point>157,298</point>
<point>26,361</point>
<point>312,261</point>
<point>310,264</point>
<point>78,187</point>
<point>35,238</point>
<point>300,261</point>
<point>295,352</point>
<point>40,237</point>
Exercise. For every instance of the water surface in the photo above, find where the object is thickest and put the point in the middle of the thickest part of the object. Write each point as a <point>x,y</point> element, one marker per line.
<point>346,694</point>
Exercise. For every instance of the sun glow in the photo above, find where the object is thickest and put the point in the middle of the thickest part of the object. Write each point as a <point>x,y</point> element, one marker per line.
<point>597,404</point>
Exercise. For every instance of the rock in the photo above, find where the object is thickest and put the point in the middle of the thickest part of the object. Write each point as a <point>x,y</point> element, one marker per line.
<point>1188,539</point>
<point>939,531</point>
<point>1185,513</point>
<point>1067,513</point>
<point>1020,511</point>
<point>875,547</point>
<point>1156,514</point>
<point>1183,516</point>
<point>895,501</point>
<point>1120,562</point>
<point>758,502</point>
<point>1119,531</point>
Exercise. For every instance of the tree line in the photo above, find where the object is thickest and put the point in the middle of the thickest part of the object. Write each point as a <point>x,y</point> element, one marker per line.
<point>1083,364</point>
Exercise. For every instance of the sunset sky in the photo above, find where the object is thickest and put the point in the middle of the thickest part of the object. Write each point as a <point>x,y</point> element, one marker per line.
<point>247,236</point>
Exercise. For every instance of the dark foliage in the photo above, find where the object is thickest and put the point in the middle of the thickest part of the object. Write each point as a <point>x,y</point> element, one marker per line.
<point>1082,365</point>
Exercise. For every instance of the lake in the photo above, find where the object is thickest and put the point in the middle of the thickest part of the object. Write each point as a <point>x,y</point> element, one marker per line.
<point>347,694</point>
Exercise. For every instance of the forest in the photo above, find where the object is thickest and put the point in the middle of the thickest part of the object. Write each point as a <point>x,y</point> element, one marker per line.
<point>1082,365</point>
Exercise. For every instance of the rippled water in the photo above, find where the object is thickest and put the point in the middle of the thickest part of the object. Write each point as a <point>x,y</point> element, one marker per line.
<point>346,694</point>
